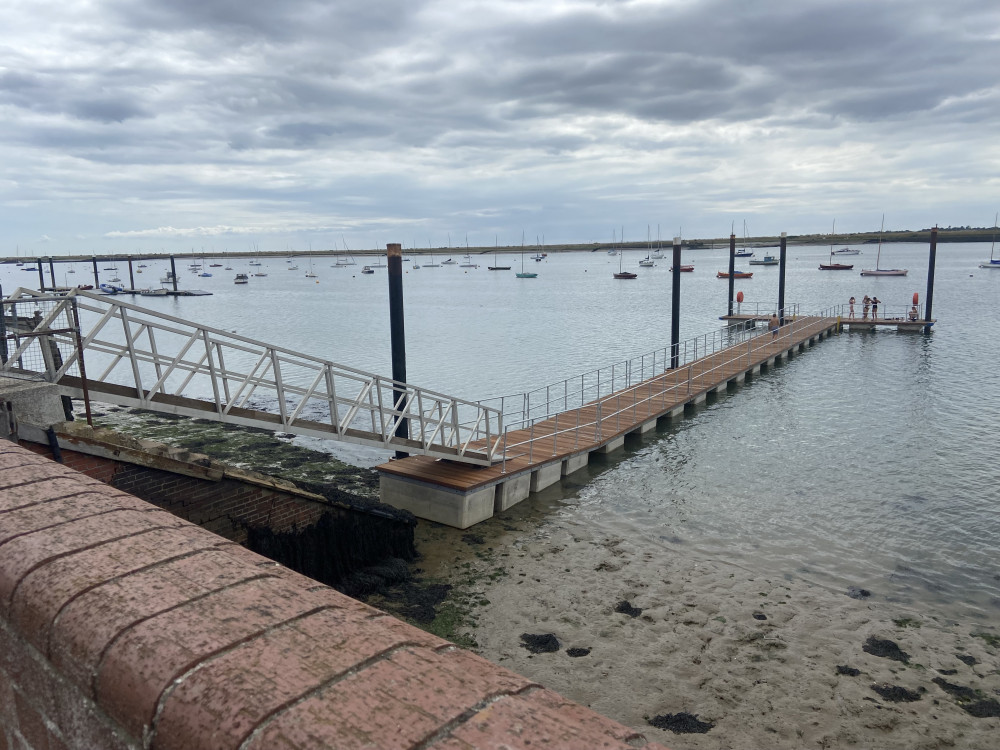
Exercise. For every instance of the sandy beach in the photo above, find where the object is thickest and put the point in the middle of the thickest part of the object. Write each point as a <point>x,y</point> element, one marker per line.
<point>749,660</point>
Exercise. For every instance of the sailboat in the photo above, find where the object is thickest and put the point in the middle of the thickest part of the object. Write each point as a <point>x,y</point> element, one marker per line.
<point>994,262</point>
<point>496,266</point>
<point>524,274</point>
<point>831,266</point>
<point>745,252</point>
<point>622,274</point>
<point>878,271</point>
<point>309,273</point>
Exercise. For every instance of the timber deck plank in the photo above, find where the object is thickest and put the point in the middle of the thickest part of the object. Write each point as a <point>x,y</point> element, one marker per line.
<point>531,448</point>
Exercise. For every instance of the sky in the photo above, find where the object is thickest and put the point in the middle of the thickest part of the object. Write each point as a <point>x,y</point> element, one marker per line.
<point>212,125</point>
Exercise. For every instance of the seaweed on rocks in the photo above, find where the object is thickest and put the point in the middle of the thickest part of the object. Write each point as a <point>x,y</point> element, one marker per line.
<point>960,693</point>
<point>896,693</point>
<point>849,671</point>
<point>886,649</point>
<point>626,608</point>
<point>577,651</point>
<point>984,709</point>
<point>682,723</point>
<point>967,659</point>
<point>543,643</point>
<point>856,592</point>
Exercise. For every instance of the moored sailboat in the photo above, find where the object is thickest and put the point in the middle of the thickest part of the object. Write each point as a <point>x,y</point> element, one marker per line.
<point>878,271</point>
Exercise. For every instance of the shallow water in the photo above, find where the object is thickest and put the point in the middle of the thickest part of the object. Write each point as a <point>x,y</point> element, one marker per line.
<point>868,460</point>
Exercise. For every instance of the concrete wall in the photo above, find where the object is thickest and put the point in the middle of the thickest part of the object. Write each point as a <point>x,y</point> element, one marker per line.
<point>124,626</point>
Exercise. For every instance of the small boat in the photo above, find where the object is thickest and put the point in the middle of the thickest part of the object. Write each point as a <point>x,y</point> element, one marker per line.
<point>831,266</point>
<point>228,268</point>
<point>646,262</point>
<point>293,268</point>
<point>993,262</point>
<point>85,287</point>
<point>72,270</point>
<point>448,262</point>
<point>215,265</point>
<point>524,274</point>
<point>768,260</point>
<point>744,253</point>
<point>152,292</point>
<point>169,278</point>
<point>260,273</point>
<point>626,275</point>
<point>736,274</point>
<point>877,271</point>
<point>367,269</point>
<point>142,265</point>
<point>241,278</point>
<point>255,263</point>
<point>847,251</point>
<point>205,274</point>
<point>687,268</point>
<point>111,289</point>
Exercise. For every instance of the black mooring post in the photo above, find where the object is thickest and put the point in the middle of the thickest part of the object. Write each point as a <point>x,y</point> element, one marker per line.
<point>675,309</point>
<point>930,278</point>
<point>394,260</point>
<point>173,272</point>
<point>781,278</point>
<point>41,275</point>
<point>97,279</point>
<point>131,277</point>
<point>732,270</point>
<point>52,272</point>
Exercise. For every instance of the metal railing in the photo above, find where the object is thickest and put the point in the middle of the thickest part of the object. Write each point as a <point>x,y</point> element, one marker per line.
<point>156,361</point>
<point>643,380</point>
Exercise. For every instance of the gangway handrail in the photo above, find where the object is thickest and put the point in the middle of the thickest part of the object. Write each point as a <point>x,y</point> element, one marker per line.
<point>614,400</point>
<point>155,358</point>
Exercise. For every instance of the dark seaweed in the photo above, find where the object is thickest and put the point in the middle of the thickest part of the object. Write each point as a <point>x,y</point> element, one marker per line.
<point>682,723</point>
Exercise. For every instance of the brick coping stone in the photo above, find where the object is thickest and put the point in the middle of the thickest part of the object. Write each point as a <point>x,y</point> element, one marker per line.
<point>176,638</point>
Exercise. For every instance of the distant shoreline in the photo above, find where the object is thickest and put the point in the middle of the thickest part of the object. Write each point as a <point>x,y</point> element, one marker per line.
<point>860,238</point>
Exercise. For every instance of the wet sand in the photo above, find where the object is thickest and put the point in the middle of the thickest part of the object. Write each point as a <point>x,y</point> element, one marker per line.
<point>732,658</point>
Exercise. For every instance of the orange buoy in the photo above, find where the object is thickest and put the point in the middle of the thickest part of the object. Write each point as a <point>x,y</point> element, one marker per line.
<point>915,298</point>
<point>739,296</point>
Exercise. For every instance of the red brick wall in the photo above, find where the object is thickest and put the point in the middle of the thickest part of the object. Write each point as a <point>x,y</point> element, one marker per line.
<point>123,626</point>
<point>213,505</point>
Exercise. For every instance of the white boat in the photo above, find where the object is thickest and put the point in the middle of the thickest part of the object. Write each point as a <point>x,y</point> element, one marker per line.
<point>169,278</point>
<point>468,263</point>
<point>993,262</point>
<point>152,292</point>
<point>646,262</point>
<point>241,278</point>
<point>877,271</point>
<point>847,251</point>
<point>309,273</point>
<point>768,260</point>
<point>448,262</point>
<point>367,269</point>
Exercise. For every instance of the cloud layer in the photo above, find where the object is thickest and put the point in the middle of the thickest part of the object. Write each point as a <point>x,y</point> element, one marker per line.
<point>134,124</point>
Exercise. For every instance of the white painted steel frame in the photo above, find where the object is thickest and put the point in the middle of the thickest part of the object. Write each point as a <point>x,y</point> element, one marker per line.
<point>359,407</point>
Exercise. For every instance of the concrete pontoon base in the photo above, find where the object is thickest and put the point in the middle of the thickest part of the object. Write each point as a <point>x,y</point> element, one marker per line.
<point>512,491</point>
<point>436,503</point>
<point>575,463</point>
<point>546,476</point>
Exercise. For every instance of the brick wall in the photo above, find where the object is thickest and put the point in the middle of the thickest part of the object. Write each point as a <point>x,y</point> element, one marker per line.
<point>211,504</point>
<point>124,626</point>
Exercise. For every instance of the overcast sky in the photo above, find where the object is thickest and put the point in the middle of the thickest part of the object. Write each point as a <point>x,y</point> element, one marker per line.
<point>227,124</point>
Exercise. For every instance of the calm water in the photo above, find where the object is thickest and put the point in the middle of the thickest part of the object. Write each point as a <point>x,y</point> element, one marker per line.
<point>870,460</point>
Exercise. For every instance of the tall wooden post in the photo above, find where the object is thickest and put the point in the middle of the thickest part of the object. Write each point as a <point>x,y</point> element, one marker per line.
<point>173,272</point>
<point>675,309</point>
<point>732,270</point>
<point>394,260</point>
<point>97,278</point>
<point>41,275</point>
<point>781,278</point>
<point>930,277</point>
<point>131,275</point>
<point>52,273</point>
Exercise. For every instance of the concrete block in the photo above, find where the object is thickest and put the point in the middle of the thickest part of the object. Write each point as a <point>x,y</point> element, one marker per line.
<point>433,503</point>
<point>739,378</point>
<point>35,402</point>
<point>575,463</point>
<point>755,370</point>
<point>699,399</point>
<point>545,476</point>
<point>676,412</point>
<point>647,427</point>
<point>612,445</point>
<point>511,491</point>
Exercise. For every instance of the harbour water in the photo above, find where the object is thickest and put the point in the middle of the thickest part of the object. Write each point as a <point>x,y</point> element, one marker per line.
<point>868,461</point>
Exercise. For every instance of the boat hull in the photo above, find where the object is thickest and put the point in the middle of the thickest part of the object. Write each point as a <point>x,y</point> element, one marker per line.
<point>835,266</point>
<point>737,275</point>
<point>626,275</point>
<point>884,272</point>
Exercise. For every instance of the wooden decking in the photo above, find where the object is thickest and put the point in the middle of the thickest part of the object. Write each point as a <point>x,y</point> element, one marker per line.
<point>603,424</point>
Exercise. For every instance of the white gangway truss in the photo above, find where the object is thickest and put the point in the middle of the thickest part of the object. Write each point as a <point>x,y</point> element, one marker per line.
<point>137,357</point>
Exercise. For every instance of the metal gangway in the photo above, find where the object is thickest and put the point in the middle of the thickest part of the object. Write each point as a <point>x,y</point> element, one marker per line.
<point>137,357</point>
